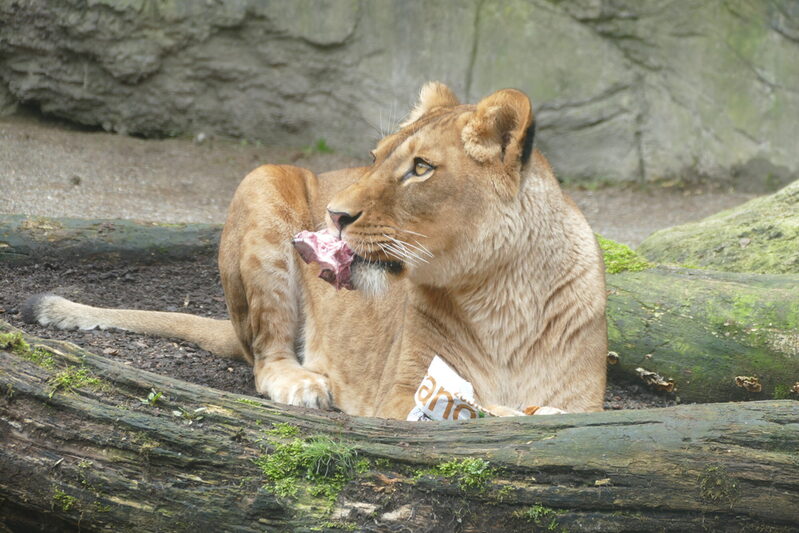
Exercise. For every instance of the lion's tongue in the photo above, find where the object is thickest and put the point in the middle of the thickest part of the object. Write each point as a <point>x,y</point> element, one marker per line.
<point>332,254</point>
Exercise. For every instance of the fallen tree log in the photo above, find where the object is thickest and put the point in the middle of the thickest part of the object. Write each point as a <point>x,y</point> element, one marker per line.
<point>89,444</point>
<point>25,238</point>
<point>701,330</point>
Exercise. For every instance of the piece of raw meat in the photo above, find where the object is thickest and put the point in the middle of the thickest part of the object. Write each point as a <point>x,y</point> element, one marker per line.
<point>330,252</point>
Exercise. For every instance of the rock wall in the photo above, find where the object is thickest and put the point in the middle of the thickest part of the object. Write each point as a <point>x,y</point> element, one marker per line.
<point>626,90</point>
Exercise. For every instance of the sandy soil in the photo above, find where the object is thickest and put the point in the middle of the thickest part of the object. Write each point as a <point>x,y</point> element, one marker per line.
<point>50,168</point>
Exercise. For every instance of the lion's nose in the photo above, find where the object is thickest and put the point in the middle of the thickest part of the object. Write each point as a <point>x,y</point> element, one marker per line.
<point>342,219</point>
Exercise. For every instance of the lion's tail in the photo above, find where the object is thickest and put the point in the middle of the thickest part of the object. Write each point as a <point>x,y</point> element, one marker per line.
<point>216,336</point>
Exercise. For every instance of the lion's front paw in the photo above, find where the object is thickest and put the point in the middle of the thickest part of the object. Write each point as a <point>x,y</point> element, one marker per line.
<point>297,386</point>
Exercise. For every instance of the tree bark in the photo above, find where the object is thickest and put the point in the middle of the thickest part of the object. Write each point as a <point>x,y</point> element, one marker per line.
<point>92,456</point>
<point>702,329</point>
<point>26,238</point>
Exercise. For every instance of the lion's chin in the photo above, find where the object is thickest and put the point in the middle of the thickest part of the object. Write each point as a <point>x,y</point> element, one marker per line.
<point>372,278</point>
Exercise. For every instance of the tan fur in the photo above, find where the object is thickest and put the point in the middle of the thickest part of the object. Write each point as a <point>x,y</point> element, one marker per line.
<point>502,275</point>
<point>432,95</point>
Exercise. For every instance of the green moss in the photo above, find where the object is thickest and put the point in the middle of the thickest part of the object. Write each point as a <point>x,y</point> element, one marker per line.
<point>41,357</point>
<point>73,378</point>
<point>247,401</point>
<point>504,493</point>
<point>84,468</point>
<point>362,466</point>
<point>283,429</point>
<point>758,236</point>
<point>319,465</point>
<point>620,258</point>
<point>382,462</point>
<point>145,443</point>
<point>63,500</point>
<point>180,225</point>
<point>581,183</point>
<point>319,147</point>
<point>189,416</point>
<point>40,224</point>
<point>544,518</point>
<point>782,392</point>
<point>338,524</point>
<point>471,473</point>
<point>717,486</point>
<point>15,343</point>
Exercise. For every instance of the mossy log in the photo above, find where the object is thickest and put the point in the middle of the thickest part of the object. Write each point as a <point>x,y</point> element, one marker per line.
<point>26,238</point>
<point>95,453</point>
<point>703,329</point>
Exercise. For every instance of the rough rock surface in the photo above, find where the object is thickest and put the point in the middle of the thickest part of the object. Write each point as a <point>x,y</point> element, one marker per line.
<point>761,235</point>
<point>8,102</point>
<point>625,89</point>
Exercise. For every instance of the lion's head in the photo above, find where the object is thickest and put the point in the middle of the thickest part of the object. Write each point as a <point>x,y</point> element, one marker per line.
<point>442,191</point>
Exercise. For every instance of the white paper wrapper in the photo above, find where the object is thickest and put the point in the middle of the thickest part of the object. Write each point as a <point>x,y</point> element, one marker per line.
<point>444,395</point>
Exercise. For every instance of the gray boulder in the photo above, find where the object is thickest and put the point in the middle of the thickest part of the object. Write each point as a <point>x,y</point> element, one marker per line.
<point>761,235</point>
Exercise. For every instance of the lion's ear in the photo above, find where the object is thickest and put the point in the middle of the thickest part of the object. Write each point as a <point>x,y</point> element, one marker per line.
<point>502,127</point>
<point>433,94</point>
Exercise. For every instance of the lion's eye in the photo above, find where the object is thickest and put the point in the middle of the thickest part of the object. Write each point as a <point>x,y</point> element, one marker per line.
<point>374,157</point>
<point>419,169</point>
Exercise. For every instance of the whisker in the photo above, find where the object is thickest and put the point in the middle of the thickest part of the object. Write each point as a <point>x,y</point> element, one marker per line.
<point>411,258</point>
<point>372,125</point>
<point>411,250</point>
<point>395,118</point>
<point>371,243</point>
<point>392,251</point>
<point>424,248</point>
<point>379,245</point>
<point>404,247</point>
<point>411,232</point>
<point>416,246</point>
<point>400,254</point>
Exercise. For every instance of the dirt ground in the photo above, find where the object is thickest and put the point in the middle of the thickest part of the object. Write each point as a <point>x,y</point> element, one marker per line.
<point>190,287</point>
<point>50,168</point>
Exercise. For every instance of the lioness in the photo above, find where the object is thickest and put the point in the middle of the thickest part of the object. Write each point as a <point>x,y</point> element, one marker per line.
<point>466,248</point>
